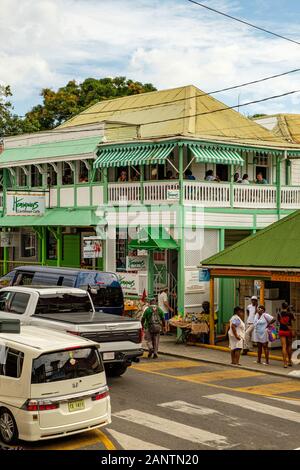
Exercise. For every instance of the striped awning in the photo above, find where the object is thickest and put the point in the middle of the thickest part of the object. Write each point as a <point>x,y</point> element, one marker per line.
<point>216,155</point>
<point>133,155</point>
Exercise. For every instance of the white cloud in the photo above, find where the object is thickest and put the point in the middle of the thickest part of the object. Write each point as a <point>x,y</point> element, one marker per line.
<point>167,42</point>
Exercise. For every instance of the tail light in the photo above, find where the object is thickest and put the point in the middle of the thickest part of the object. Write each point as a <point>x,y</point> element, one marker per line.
<point>141,334</point>
<point>40,405</point>
<point>100,395</point>
<point>76,333</point>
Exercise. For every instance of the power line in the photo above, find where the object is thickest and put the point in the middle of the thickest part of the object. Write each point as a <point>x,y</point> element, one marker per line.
<point>244,22</point>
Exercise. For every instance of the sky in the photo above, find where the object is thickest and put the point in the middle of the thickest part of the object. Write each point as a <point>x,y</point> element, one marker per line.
<point>169,43</point>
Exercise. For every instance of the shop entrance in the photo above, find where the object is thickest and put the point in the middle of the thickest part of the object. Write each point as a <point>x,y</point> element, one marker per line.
<point>165,273</point>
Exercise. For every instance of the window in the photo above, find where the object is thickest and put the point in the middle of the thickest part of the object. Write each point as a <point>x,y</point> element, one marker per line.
<point>36,177</point>
<point>4,300</point>
<point>51,176</point>
<point>28,245</point>
<point>51,246</point>
<point>22,177</point>
<point>67,174</point>
<point>83,173</point>
<point>121,248</point>
<point>24,279</point>
<point>63,304</point>
<point>11,362</point>
<point>19,303</point>
<point>66,365</point>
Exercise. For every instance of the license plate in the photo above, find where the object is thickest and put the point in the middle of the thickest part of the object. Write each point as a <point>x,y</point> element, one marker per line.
<point>108,356</point>
<point>76,405</point>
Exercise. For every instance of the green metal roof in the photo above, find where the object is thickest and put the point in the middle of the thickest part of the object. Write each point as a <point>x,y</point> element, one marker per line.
<point>153,238</point>
<point>55,218</point>
<point>216,155</point>
<point>277,246</point>
<point>52,150</point>
<point>133,155</point>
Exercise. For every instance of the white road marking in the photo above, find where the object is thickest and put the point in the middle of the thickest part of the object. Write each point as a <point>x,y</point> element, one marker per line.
<point>132,443</point>
<point>256,406</point>
<point>173,428</point>
<point>189,408</point>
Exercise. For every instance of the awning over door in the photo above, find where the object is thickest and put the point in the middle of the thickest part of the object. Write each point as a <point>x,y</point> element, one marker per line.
<point>216,155</point>
<point>133,155</point>
<point>153,238</point>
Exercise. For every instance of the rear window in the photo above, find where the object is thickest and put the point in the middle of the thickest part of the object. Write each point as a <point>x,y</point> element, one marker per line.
<point>107,297</point>
<point>11,362</point>
<point>66,365</point>
<point>108,290</point>
<point>63,303</point>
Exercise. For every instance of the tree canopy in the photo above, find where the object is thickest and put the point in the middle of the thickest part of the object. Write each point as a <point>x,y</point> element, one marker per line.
<point>69,100</point>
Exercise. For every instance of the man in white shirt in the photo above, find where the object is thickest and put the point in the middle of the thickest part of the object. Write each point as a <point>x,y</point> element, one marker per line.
<point>251,312</point>
<point>163,304</point>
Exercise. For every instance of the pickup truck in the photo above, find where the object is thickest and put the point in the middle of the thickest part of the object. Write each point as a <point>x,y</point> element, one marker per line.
<point>72,310</point>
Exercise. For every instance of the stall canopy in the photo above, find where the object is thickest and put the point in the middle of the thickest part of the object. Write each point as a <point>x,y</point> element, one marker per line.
<point>133,155</point>
<point>216,155</point>
<point>153,238</point>
<point>275,247</point>
<point>55,218</point>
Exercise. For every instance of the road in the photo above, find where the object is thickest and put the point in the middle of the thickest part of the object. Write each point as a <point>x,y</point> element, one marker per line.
<point>178,404</point>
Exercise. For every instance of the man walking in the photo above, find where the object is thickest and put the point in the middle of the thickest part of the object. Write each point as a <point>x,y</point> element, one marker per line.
<point>152,320</point>
<point>251,312</point>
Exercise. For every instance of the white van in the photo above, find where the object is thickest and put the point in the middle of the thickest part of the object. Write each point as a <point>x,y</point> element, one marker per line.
<point>51,385</point>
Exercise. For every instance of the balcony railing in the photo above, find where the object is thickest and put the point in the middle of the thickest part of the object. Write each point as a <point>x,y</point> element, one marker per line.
<point>207,194</point>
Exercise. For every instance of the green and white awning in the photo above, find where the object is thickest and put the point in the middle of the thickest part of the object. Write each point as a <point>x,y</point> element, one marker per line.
<point>133,155</point>
<point>216,155</point>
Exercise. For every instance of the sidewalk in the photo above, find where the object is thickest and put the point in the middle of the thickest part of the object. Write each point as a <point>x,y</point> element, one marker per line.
<point>220,357</point>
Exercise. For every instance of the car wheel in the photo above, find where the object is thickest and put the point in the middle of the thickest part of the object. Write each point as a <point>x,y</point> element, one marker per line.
<point>116,370</point>
<point>8,427</point>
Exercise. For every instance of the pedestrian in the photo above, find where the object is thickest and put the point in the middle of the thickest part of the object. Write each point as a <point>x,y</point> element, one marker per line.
<point>251,312</point>
<point>163,304</point>
<point>245,179</point>
<point>236,335</point>
<point>152,320</point>
<point>189,175</point>
<point>209,176</point>
<point>286,319</point>
<point>262,321</point>
<point>123,176</point>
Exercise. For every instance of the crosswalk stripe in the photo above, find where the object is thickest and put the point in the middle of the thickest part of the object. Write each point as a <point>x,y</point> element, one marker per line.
<point>220,375</point>
<point>256,406</point>
<point>276,388</point>
<point>156,366</point>
<point>132,443</point>
<point>173,428</point>
<point>188,408</point>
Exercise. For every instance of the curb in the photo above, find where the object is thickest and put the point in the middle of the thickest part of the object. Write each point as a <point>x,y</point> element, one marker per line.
<point>225,349</point>
<point>209,361</point>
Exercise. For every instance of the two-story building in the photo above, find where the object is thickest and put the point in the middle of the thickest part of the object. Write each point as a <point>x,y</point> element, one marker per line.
<point>154,176</point>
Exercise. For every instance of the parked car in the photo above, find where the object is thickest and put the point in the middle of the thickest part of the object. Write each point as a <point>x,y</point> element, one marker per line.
<point>104,287</point>
<point>71,310</point>
<point>50,385</point>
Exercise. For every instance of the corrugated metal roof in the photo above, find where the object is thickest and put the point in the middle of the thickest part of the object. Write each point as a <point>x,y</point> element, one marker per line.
<point>178,111</point>
<point>286,126</point>
<point>277,246</point>
<point>48,151</point>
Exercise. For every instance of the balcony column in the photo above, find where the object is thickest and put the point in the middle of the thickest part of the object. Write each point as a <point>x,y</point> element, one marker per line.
<point>105,185</point>
<point>181,243</point>
<point>142,179</point>
<point>231,186</point>
<point>278,184</point>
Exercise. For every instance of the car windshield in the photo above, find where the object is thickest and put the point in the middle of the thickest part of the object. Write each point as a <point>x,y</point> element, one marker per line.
<point>65,365</point>
<point>63,303</point>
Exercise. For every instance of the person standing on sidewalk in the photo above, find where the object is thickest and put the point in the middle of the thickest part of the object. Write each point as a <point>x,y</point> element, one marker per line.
<point>251,312</point>
<point>152,321</point>
<point>285,319</point>
<point>163,304</point>
<point>236,335</point>
<point>262,321</point>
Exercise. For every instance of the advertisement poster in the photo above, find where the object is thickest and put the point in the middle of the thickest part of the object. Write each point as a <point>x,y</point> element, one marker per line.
<point>92,248</point>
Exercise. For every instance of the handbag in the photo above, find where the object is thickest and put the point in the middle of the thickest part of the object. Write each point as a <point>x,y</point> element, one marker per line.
<point>272,333</point>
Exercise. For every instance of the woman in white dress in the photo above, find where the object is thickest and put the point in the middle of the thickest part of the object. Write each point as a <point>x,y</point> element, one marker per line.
<point>236,335</point>
<point>262,321</point>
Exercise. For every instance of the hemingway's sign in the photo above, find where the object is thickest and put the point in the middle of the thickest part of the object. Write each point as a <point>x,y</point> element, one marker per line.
<point>129,283</point>
<point>18,203</point>
<point>136,263</point>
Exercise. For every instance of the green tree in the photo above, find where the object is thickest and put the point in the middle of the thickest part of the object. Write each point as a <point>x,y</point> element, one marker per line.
<point>10,123</point>
<point>59,106</point>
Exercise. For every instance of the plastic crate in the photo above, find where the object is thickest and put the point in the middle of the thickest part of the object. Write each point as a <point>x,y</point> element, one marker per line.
<point>10,326</point>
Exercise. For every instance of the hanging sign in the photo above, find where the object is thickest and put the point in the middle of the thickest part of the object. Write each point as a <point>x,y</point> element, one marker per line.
<point>21,203</point>
<point>136,263</point>
<point>129,283</point>
<point>92,248</point>
<point>6,239</point>
<point>204,275</point>
<point>173,194</point>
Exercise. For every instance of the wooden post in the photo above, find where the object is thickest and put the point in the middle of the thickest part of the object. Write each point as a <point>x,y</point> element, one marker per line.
<point>262,293</point>
<point>212,311</point>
